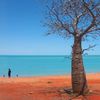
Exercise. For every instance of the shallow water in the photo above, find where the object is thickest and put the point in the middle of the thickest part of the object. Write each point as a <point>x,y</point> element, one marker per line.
<point>44,65</point>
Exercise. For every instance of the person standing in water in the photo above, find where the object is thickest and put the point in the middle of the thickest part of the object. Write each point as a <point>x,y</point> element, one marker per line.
<point>9,72</point>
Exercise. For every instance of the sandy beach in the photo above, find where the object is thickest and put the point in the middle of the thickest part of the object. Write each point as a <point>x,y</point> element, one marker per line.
<point>45,88</point>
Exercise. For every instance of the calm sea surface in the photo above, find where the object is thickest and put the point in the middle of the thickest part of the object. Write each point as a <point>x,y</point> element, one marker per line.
<point>44,65</point>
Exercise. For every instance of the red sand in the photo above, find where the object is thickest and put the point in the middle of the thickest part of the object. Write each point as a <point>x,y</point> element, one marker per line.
<point>45,88</point>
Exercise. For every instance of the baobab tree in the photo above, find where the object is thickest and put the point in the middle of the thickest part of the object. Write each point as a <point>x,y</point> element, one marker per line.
<point>78,19</point>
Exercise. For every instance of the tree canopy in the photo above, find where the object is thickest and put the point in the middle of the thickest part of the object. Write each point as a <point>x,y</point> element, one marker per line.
<point>74,18</point>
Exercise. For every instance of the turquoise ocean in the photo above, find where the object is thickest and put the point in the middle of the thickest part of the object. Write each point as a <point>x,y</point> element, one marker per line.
<point>44,65</point>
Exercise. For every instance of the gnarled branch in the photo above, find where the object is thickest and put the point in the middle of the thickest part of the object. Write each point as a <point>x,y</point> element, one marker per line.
<point>93,21</point>
<point>90,47</point>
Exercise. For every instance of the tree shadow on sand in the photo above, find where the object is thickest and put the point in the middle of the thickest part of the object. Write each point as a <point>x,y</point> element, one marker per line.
<point>72,96</point>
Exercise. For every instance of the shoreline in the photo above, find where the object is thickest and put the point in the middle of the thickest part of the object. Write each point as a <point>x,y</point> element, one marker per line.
<point>67,75</point>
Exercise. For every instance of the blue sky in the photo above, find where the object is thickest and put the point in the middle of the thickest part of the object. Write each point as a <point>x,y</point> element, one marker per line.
<point>22,31</point>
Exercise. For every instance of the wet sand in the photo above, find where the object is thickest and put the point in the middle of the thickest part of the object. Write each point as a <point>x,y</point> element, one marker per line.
<point>45,88</point>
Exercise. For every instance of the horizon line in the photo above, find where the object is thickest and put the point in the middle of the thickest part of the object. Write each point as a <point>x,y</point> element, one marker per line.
<point>43,55</point>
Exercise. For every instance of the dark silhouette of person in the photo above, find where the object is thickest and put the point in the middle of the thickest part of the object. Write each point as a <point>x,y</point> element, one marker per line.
<point>9,72</point>
<point>3,75</point>
<point>17,75</point>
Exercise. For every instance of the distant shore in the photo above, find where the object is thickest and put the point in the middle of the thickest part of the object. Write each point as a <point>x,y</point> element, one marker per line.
<point>44,87</point>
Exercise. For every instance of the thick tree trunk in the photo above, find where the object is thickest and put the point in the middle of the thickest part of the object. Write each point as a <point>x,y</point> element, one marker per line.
<point>79,83</point>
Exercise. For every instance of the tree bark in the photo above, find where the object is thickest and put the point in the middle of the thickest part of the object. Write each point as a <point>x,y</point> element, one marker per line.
<point>79,83</point>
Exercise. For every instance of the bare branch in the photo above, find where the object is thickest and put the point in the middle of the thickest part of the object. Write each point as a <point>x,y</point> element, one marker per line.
<point>90,47</point>
<point>76,21</point>
<point>95,29</point>
<point>93,21</point>
<point>64,26</point>
<point>73,17</point>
